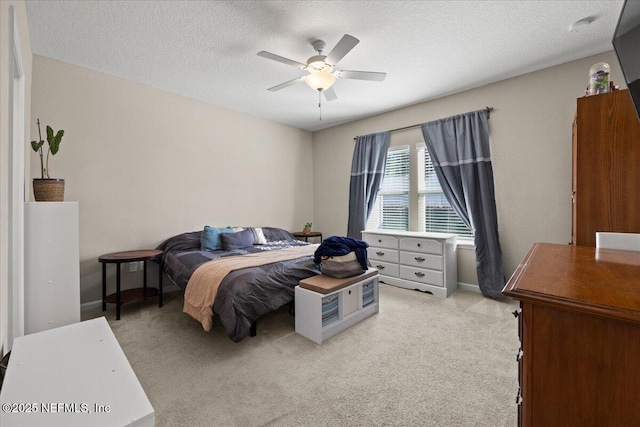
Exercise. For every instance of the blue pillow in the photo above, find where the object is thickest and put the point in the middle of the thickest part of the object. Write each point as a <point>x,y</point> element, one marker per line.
<point>237,240</point>
<point>210,239</point>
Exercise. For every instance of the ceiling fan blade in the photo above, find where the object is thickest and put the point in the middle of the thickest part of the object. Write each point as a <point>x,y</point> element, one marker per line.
<point>330,94</point>
<point>284,60</point>
<point>287,84</point>
<point>361,75</point>
<point>343,47</point>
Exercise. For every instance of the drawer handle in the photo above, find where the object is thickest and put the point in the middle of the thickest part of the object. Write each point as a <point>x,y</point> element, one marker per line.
<point>417,273</point>
<point>517,312</point>
<point>519,355</point>
<point>381,267</point>
<point>419,245</point>
<point>419,259</point>
<point>379,240</point>
<point>379,253</point>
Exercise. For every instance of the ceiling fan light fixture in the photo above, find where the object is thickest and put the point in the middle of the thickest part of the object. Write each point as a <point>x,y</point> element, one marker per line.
<point>320,81</point>
<point>316,64</point>
<point>320,67</point>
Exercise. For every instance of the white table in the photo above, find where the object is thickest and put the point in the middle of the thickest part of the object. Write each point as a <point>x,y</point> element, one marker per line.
<point>75,375</point>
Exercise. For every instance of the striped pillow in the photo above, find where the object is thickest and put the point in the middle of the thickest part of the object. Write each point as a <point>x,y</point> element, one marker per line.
<point>258,235</point>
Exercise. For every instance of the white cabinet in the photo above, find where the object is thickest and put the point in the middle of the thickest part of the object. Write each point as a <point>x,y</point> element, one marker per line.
<point>52,265</point>
<point>414,260</point>
<point>76,375</point>
<point>326,306</point>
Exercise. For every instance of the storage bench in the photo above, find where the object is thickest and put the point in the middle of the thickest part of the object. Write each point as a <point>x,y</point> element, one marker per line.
<point>326,305</point>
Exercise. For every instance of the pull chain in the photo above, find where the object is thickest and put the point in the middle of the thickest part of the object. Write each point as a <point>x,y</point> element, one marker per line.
<point>320,103</point>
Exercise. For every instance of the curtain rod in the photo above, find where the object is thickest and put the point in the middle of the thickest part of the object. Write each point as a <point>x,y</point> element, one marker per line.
<point>487,111</point>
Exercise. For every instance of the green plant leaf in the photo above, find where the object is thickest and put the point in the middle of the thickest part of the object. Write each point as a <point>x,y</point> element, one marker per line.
<point>36,145</point>
<point>49,134</point>
<point>54,145</point>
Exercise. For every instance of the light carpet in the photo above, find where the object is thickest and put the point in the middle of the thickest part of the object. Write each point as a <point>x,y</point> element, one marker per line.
<point>421,361</point>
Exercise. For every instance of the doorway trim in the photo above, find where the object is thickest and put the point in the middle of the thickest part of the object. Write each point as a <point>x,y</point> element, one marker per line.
<point>13,317</point>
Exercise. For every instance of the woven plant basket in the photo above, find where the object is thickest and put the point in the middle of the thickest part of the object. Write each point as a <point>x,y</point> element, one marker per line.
<point>48,190</point>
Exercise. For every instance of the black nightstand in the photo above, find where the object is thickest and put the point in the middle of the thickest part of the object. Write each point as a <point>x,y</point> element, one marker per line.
<point>123,297</point>
<point>305,236</point>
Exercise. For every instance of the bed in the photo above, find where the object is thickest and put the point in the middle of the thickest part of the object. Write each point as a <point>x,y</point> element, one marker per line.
<point>245,294</point>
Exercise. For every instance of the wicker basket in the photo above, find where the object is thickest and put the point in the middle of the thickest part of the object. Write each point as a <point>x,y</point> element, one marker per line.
<point>48,190</point>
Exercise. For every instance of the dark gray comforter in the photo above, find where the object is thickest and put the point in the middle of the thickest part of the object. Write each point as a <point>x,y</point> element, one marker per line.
<point>247,294</point>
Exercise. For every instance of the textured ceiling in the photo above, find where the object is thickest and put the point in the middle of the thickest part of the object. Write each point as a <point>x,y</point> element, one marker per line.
<point>207,50</point>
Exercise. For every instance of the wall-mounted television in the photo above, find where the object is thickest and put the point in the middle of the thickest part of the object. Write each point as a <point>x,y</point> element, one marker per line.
<point>626,43</point>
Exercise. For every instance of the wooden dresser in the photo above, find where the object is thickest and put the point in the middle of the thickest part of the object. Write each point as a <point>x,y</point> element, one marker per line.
<point>579,328</point>
<point>606,167</point>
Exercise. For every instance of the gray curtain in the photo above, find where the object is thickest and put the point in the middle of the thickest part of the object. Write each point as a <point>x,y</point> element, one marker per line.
<point>367,170</point>
<point>459,149</point>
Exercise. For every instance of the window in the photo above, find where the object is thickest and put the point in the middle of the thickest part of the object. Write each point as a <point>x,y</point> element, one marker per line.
<point>396,197</point>
<point>435,212</point>
<point>391,210</point>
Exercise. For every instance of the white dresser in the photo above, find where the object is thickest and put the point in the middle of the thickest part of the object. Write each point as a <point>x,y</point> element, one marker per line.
<point>414,260</point>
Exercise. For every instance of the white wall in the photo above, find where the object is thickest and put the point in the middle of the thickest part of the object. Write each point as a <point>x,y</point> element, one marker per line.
<point>145,165</point>
<point>530,132</point>
<point>25,50</point>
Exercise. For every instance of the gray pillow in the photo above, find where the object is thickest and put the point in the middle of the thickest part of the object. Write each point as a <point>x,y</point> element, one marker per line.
<point>238,240</point>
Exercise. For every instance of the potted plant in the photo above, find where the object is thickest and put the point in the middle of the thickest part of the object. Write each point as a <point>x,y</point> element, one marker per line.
<point>45,188</point>
<point>307,228</point>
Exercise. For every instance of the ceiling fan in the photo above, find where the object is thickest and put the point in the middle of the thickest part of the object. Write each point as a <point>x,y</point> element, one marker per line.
<point>322,75</point>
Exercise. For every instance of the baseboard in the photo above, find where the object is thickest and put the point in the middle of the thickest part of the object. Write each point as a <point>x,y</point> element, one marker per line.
<point>469,287</point>
<point>93,305</point>
<point>97,304</point>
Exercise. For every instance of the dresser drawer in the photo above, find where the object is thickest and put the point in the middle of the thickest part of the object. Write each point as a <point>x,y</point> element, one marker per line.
<point>386,269</point>
<point>430,277</point>
<point>433,262</point>
<point>382,254</point>
<point>414,244</point>
<point>381,241</point>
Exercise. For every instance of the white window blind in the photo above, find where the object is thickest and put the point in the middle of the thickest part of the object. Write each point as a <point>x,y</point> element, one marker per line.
<point>391,209</point>
<point>435,212</point>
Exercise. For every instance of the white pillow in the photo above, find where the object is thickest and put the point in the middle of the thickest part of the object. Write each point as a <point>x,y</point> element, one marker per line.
<point>258,235</point>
